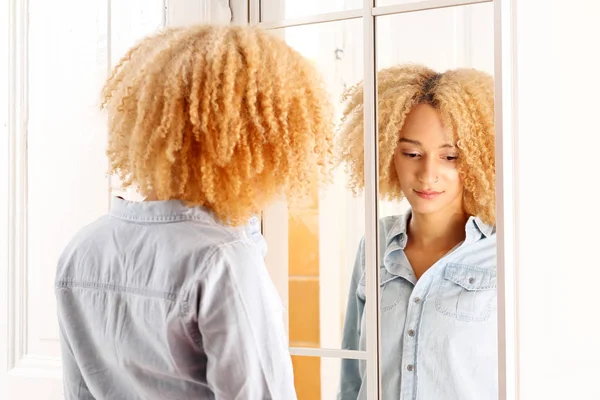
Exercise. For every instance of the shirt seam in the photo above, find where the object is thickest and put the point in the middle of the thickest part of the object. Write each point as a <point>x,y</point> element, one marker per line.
<point>197,277</point>
<point>72,283</point>
<point>162,218</point>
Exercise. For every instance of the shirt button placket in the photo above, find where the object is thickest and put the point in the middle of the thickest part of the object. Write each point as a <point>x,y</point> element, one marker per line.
<point>410,348</point>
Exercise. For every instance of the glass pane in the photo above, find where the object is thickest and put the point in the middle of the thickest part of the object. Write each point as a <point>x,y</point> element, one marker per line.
<point>436,148</point>
<point>276,10</point>
<point>441,39</point>
<point>319,377</point>
<point>323,234</point>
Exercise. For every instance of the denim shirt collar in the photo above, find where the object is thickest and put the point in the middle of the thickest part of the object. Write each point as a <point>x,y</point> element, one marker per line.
<point>169,211</point>
<point>157,211</point>
<point>474,228</point>
<point>396,263</point>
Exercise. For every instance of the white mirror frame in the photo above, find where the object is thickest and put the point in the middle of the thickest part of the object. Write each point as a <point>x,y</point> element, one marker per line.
<point>505,59</point>
<point>505,75</point>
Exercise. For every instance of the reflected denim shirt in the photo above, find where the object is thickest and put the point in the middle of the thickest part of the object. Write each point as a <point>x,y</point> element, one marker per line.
<point>160,301</point>
<point>438,334</point>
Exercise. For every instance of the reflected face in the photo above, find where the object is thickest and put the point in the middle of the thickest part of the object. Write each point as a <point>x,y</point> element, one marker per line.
<point>426,163</point>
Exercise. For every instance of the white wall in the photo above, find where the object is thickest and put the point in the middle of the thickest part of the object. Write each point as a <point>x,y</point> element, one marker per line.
<point>558,215</point>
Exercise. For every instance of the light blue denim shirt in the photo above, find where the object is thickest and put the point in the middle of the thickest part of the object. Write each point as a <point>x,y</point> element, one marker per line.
<point>438,334</point>
<point>160,301</point>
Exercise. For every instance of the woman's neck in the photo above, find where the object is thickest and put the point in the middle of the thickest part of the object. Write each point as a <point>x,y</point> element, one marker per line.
<point>151,197</point>
<point>439,230</point>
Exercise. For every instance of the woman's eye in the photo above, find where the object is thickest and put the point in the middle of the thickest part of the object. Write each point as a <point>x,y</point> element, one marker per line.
<point>411,155</point>
<point>451,158</point>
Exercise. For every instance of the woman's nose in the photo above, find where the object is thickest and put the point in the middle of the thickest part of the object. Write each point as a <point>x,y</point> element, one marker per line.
<point>428,172</point>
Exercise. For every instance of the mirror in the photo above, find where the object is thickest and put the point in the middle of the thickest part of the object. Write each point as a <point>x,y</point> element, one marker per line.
<point>438,332</point>
<point>437,203</point>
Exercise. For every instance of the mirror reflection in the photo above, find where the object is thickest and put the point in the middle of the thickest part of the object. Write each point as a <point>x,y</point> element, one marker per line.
<point>437,236</point>
<point>437,190</point>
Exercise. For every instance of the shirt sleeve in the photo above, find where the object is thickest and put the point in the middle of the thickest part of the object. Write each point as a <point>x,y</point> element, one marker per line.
<point>240,319</point>
<point>351,380</point>
<point>74,386</point>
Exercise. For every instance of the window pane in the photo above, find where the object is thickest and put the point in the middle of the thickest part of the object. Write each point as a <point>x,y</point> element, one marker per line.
<point>441,39</point>
<point>276,10</point>
<point>437,274</point>
<point>324,233</point>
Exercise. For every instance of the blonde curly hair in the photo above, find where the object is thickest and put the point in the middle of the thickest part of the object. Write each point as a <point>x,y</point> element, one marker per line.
<point>465,100</point>
<point>226,117</point>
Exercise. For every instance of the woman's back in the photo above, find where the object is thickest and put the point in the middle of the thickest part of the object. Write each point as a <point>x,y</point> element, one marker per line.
<point>162,301</point>
<point>151,292</point>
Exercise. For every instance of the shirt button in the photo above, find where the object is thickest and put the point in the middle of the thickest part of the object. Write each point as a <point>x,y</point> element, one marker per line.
<point>411,333</point>
<point>417,300</point>
<point>410,367</point>
<point>471,280</point>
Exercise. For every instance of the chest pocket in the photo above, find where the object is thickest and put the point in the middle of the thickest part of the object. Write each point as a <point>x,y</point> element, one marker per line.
<point>391,289</point>
<point>467,293</point>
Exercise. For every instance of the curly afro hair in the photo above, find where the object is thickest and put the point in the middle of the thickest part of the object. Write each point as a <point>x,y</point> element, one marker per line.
<point>225,117</point>
<point>465,100</point>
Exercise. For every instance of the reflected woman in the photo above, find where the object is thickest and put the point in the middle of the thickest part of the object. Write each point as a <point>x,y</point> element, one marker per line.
<point>438,261</point>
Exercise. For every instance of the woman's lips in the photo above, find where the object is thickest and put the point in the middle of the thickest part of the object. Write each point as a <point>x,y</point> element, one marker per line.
<point>427,194</point>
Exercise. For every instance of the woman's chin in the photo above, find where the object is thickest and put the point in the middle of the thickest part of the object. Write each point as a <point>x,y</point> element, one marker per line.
<point>425,206</point>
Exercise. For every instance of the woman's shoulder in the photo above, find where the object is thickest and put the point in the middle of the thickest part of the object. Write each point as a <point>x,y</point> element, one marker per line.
<point>388,223</point>
<point>392,226</point>
<point>389,227</point>
<point>479,253</point>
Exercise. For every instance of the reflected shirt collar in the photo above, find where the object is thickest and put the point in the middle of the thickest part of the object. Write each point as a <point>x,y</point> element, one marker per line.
<point>474,229</point>
<point>396,264</point>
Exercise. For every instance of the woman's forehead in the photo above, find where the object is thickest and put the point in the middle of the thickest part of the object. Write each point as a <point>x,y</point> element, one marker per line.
<point>424,125</point>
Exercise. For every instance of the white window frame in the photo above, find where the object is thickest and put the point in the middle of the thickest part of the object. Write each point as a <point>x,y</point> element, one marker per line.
<point>506,169</point>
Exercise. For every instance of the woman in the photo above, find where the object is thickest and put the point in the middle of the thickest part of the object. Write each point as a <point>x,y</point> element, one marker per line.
<point>170,298</point>
<point>438,262</point>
